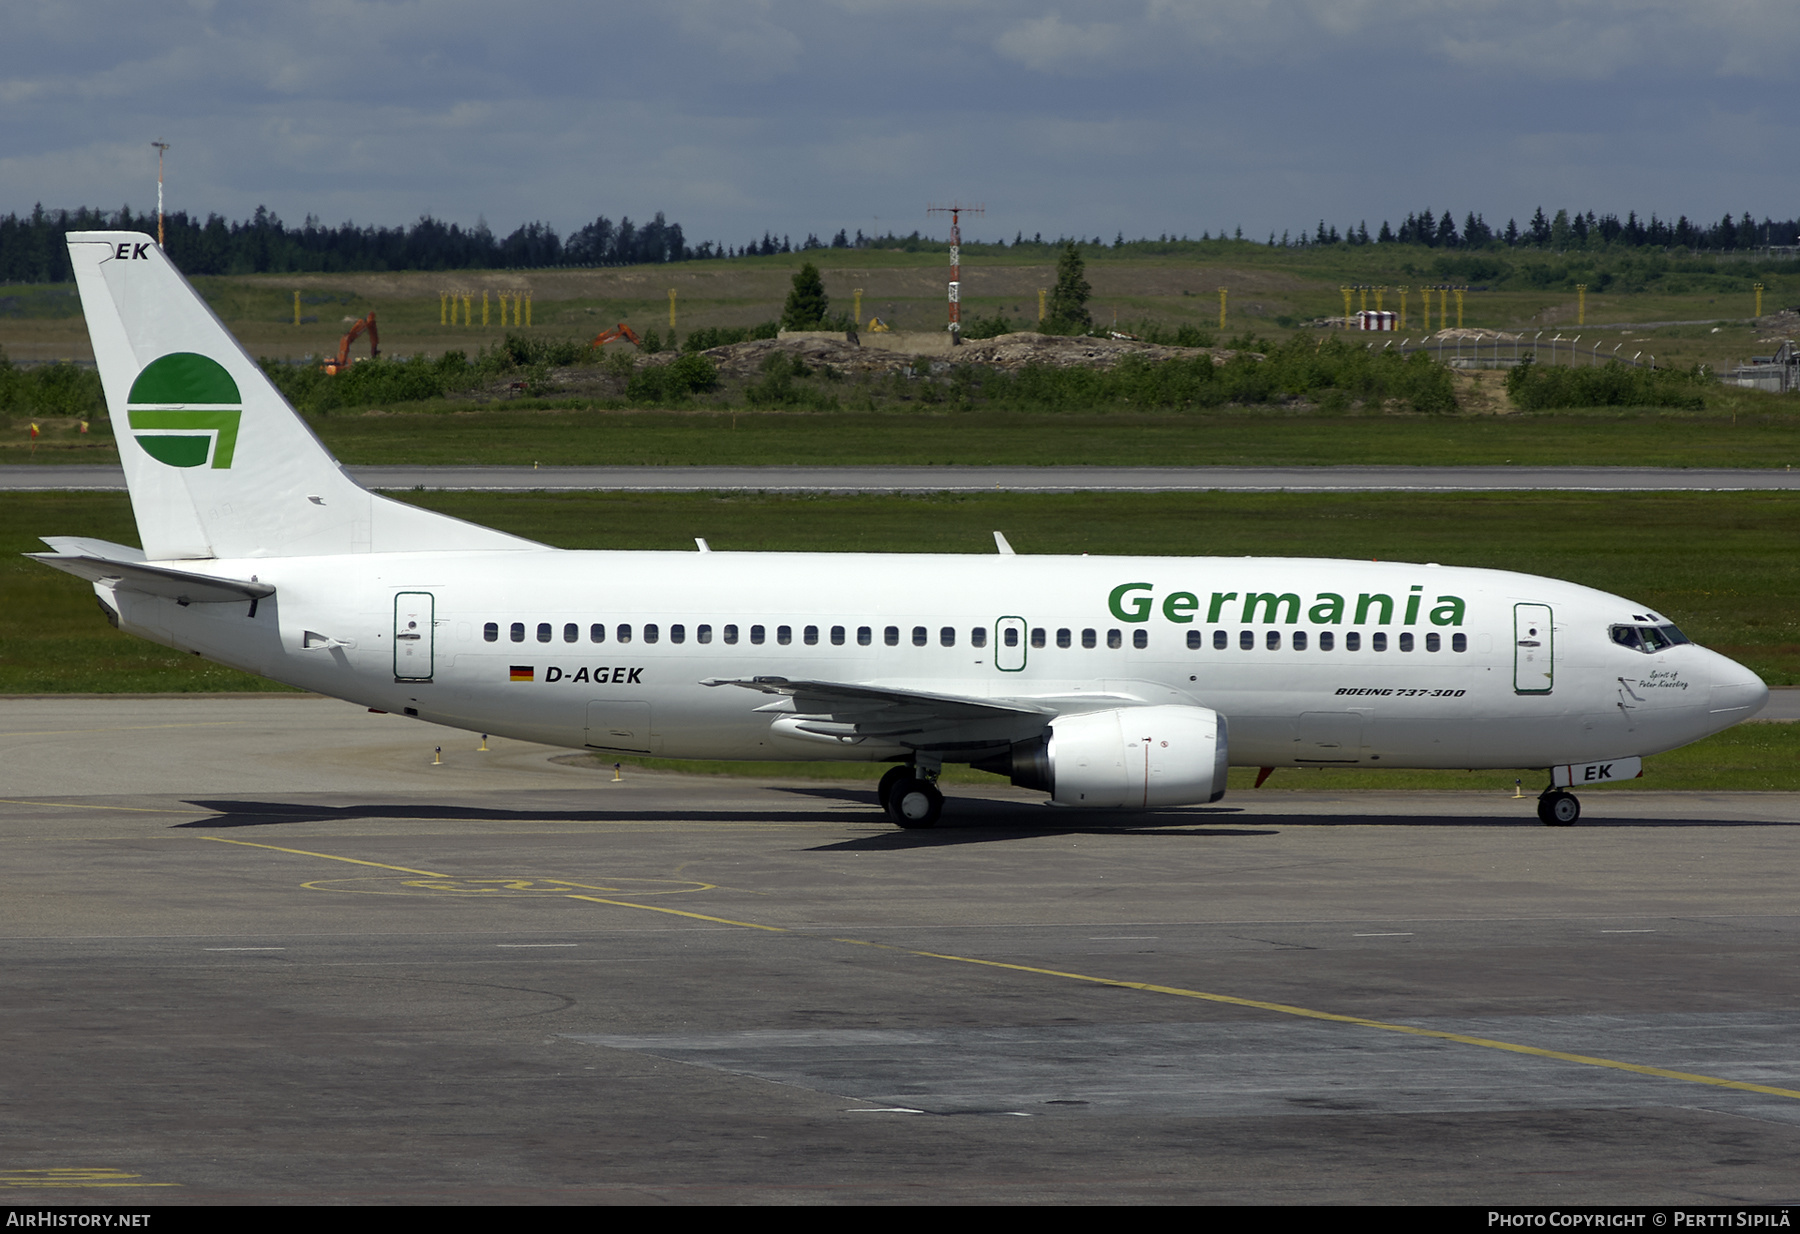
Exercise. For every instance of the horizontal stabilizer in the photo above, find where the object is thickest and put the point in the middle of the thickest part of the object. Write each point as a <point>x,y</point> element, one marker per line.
<point>179,585</point>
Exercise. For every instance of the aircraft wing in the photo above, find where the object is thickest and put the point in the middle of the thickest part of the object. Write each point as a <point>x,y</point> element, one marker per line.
<point>908,717</point>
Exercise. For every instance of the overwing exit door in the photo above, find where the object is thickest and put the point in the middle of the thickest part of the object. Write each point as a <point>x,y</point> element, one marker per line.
<point>1009,644</point>
<point>414,619</point>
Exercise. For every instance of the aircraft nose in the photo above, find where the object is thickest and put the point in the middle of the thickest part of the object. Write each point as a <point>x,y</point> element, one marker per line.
<point>1736,693</point>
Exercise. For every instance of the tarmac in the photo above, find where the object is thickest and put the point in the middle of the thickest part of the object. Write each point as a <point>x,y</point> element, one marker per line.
<point>47,477</point>
<point>263,949</point>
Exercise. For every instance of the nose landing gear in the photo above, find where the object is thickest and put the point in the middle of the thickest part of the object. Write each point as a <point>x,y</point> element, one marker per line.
<point>1558,808</point>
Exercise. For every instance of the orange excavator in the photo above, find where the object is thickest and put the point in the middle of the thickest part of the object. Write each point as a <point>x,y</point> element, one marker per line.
<point>619,331</point>
<point>334,367</point>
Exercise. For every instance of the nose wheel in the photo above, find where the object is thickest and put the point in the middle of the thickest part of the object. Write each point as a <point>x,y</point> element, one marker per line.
<point>1558,808</point>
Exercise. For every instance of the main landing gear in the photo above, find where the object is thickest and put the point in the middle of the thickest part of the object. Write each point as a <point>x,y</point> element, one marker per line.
<point>1557,807</point>
<point>910,796</point>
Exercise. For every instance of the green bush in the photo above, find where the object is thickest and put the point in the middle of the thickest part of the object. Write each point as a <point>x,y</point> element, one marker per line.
<point>662,384</point>
<point>1536,387</point>
<point>50,390</point>
<point>989,327</point>
<point>708,337</point>
<point>780,386</point>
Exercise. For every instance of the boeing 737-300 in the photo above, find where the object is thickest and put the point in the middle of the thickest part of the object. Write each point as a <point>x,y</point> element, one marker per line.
<point>1104,682</point>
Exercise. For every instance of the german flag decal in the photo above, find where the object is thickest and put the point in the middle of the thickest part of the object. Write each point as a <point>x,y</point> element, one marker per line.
<point>524,672</point>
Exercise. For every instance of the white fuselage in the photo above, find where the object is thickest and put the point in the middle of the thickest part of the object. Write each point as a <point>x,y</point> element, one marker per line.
<point>1395,665</point>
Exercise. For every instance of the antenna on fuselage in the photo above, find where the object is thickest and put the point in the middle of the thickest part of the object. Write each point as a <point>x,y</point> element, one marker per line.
<point>1006,550</point>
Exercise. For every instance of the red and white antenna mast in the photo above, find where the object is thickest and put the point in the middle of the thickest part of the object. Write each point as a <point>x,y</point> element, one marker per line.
<point>162,148</point>
<point>955,211</point>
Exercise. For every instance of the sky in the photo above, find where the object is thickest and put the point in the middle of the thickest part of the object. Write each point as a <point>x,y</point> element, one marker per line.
<point>736,117</point>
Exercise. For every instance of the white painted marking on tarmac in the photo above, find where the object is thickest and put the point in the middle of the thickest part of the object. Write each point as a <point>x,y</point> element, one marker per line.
<point>1393,934</point>
<point>886,1109</point>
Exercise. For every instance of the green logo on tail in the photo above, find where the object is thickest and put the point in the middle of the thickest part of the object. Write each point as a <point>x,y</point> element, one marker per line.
<point>183,408</point>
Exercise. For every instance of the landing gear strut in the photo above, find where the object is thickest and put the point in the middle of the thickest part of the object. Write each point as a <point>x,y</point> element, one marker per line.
<point>910,796</point>
<point>1558,808</point>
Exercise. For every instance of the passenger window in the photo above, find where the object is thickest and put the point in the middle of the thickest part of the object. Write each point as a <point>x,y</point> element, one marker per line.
<point>1010,637</point>
<point>864,636</point>
<point>622,634</point>
<point>1406,640</point>
<point>1433,642</point>
<point>978,636</point>
<point>947,636</point>
<point>1220,639</point>
<point>1037,636</point>
<point>1353,641</point>
<point>1193,640</point>
<point>837,636</point>
<point>543,631</point>
<point>730,633</point>
<point>1063,638</point>
<point>1246,640</point>
<point>597,633</point>
<point>1140,639</point>
<point>1299,640</point>
<point>1273,641</point>
<point>1459,642</point>
<point>1088,639</point>
<point>1114,639</point>
<point>491,632</point>
<point>678,634</point>
<point>891,636</point>
<point>784,635</point>
<point>652,632</point>
<point>518,631</point>
<point>1327,640</point>
<point>918,636</point>
<point>571,633</point>
<point>811,635</point>
<point>1378,641</point>
<point>703,634</point>
<point>756,635</point>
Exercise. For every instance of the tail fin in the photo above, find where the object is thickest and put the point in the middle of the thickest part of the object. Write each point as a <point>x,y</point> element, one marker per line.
<point>218,463</point>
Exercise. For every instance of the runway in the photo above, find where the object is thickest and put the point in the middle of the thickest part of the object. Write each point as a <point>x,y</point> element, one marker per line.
<point>49,478</point>
<point>262,949</point>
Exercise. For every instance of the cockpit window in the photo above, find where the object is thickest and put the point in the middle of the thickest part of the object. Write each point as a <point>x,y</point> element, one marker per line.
<point>1648,639</point>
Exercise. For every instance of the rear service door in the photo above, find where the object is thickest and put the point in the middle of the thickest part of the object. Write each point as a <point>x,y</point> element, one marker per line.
<point>1534,649</point>
<point>414,618</point>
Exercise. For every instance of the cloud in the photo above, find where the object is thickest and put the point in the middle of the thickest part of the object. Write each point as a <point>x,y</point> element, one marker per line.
<point>1049,44</point>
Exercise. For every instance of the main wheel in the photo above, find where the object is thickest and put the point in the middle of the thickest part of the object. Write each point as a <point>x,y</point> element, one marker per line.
<point>915,803</point>
<point>893,776</point>
<point>1559,809</point>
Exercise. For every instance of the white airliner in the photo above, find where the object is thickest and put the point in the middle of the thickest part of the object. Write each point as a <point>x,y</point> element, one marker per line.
<point>1106,682</point>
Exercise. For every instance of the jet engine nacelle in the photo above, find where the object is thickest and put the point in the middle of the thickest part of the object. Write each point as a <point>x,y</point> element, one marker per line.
<point>1131,757</point>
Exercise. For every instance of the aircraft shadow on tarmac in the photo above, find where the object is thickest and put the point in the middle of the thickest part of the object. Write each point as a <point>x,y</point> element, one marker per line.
<point>969,820</point>
<point>975,819</point>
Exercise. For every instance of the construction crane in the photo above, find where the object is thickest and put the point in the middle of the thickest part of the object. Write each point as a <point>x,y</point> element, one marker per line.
<point>334,367</point>
<point>619,331</point>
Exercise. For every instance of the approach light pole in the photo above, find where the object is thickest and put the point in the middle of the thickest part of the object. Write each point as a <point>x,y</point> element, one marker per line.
<point>162,148</point>
<point>955,212</point>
